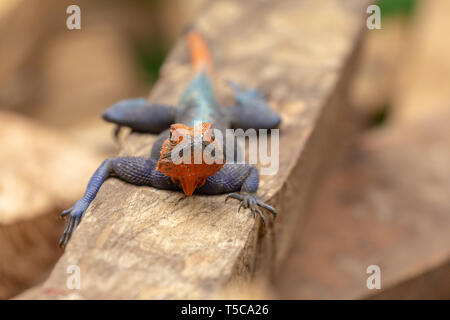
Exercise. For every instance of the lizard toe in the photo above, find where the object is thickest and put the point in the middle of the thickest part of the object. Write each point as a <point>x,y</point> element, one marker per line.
<point>252,202</point>
<point>76,214</point>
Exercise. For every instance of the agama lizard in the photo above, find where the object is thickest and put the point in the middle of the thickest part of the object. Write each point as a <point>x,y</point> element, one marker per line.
<point>197,107</point>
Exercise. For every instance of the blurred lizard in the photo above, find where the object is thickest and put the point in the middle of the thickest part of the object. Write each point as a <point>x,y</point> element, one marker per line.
<point>196,114</point>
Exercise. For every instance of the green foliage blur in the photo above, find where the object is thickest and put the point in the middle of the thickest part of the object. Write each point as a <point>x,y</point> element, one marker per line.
<point>150,53</point>
<point>150,57</point>
<point>397,7</point>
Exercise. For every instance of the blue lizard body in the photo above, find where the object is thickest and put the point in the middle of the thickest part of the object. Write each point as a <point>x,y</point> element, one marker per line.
<point>197,104</point>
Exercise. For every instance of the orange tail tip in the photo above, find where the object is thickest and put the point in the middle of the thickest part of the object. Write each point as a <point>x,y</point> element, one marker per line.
<point>200,56</point>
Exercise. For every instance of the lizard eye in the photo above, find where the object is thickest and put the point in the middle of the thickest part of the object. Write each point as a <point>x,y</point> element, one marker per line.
<point>172,138</point>
<point>175,139</point>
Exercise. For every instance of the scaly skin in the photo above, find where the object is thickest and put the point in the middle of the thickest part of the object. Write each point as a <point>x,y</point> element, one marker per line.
<point>197,104</point>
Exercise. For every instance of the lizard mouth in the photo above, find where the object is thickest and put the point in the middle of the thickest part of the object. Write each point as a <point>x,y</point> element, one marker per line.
<point>189,180</point>
<point>189,184</point>
<point>188,176</point>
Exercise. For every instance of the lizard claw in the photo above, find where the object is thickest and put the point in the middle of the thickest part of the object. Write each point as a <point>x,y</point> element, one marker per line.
<point>252,202</point>
<point>116,132</point>
<point>234,196</point>
<point>266,206</point>
<point>76,214</point>
<point>66,212</point>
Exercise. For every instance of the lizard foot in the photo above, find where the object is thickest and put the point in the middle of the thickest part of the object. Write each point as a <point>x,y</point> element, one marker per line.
<point>75,215</point>
<point>252,202</point>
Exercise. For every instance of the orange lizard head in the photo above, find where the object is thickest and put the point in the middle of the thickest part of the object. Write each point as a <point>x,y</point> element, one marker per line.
<point>190,155</point>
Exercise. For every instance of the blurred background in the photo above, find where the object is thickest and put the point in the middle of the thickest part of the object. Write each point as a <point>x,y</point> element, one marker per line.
<point>390,189</point>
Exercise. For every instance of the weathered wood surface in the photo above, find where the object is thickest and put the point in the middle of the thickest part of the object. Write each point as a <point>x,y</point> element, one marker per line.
<point>140,242</point>
<point>43,171</point>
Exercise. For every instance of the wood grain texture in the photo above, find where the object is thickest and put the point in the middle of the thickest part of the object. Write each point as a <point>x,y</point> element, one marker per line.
<point>140,242</point>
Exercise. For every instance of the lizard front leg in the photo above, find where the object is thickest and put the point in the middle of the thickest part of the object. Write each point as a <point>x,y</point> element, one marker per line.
<point>135,170</point>
<point>238,177</point>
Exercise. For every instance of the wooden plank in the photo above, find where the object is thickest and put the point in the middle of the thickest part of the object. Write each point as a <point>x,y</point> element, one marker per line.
<point>140,242</point>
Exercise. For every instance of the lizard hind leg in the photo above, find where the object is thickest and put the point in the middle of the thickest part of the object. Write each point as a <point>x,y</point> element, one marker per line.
<point>140,116</point>
<point>252,110</point>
